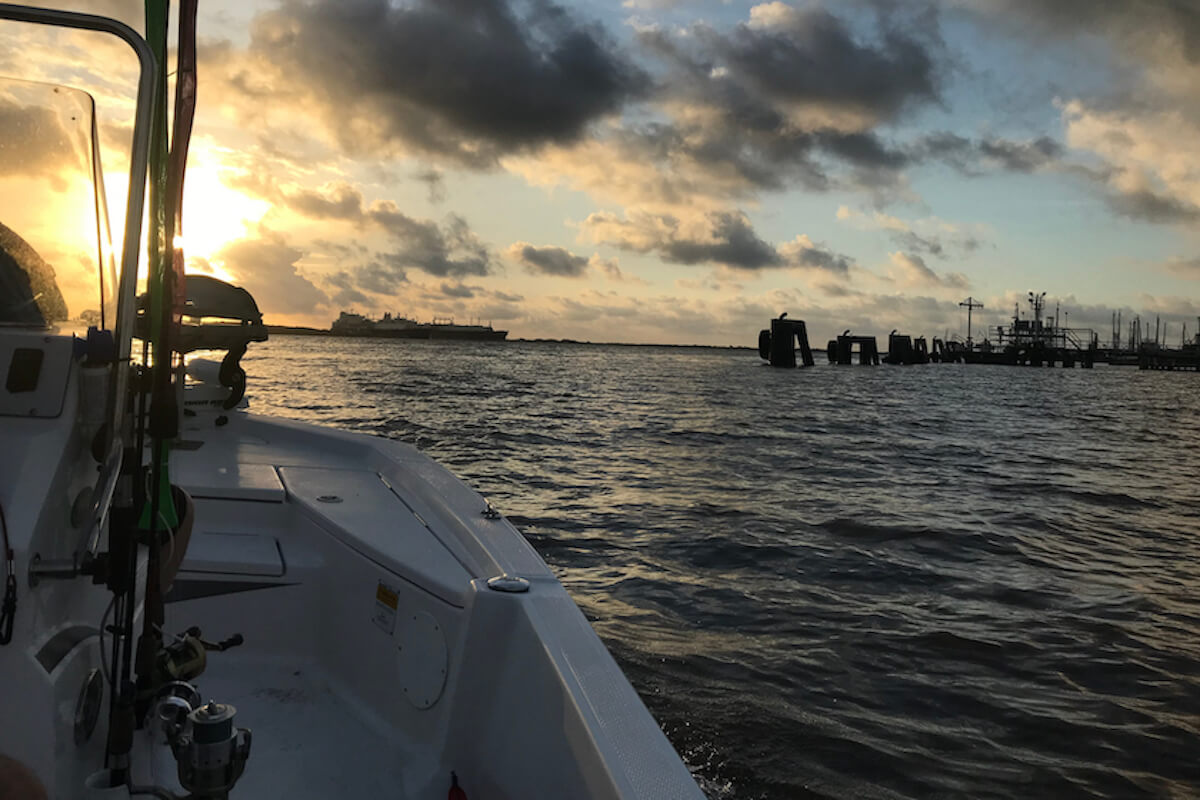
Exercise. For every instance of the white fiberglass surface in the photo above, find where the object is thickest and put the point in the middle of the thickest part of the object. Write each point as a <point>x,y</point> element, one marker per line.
<point>308,741</point>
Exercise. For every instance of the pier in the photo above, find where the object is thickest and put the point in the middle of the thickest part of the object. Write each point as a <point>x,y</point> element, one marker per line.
<point>779,344</point>
<point>842,350</point>
<point>1037,340</point>
<point>1161,358</point>
<point>903,349</point>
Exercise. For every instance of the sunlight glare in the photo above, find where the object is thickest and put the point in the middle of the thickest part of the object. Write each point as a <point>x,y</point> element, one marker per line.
<point>214,214</point>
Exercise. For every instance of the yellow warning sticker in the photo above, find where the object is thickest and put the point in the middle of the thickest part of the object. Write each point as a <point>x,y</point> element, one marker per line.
<point>387,600</point>
<point>387,596</point>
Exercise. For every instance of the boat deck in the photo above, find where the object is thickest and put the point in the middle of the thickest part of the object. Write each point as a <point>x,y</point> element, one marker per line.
<point>289,708</point>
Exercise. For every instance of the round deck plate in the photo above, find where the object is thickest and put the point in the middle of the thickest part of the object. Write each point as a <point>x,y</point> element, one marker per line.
<point>422,658</point>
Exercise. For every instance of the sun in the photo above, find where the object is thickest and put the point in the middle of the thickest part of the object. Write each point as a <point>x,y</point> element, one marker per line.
<point>215,214</point>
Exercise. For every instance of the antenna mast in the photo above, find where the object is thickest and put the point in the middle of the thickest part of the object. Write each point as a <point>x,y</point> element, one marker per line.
<point>970,304</point>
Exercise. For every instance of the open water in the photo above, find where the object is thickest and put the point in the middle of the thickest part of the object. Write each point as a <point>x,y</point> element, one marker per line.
<point>891,582</point>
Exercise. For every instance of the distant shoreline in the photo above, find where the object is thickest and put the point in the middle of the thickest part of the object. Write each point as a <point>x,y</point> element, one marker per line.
<point>292,330</point>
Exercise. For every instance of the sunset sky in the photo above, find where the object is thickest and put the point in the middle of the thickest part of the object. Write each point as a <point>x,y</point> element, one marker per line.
<point>680,172</point>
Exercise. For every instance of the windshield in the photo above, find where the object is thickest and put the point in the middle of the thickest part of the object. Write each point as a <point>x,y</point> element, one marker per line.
<point>56,263</point>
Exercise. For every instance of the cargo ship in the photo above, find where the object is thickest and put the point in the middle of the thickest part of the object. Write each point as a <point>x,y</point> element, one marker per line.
<point>390,327</point>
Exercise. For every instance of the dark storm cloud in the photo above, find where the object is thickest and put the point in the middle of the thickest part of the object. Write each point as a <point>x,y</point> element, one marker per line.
<point>773,100</point>
<point>468,79</point>
<point>804,57</point>
<point>811,56</point>
<point>725,238</point>
<point>548,260</point>
<point>789,98</point>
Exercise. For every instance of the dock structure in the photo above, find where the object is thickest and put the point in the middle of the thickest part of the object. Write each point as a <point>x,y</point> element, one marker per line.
<point>842,350</point>
<point>947,351</point>
<point>1185,358</point>
<point>903,349</point>
<point>779,344</point>
<point>1036,342</point>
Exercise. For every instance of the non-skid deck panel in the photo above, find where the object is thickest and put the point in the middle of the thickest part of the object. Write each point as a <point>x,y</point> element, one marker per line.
<point>208,478</point>
<point>307,742</point>
<point>233,554</point>
<point>361,511</point>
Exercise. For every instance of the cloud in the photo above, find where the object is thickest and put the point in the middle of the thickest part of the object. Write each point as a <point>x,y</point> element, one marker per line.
<point>788,98</point>
<point>342,202</point>
<point>449,249</point>
<point>548,260</point>
<point>1185,267</point>
<point>724,238</point>
<point>801,252</point>
<point>1148,28</point>
<point>770,100</point>
<point>266,266</point>
<point>911,270</point>
<point>459,290</point>
<point>1138,131</point>
<point>795,59</point>
<point>1153,159</point>
<point>435,183</point>
<point>990,153</point>
<point>1021,156</point>
<point>611,270</point>
<point>346,291</point>
<point>467,80</point>
<point>1150,206</point>
<point>930,236</point>
<point>718,238</point>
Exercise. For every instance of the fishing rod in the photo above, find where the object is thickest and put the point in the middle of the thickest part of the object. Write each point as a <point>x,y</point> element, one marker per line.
<point>167,297</point>
<point>152,513</point>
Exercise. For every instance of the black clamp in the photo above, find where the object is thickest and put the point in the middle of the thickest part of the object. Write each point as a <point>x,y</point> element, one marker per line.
<point>8,609</point>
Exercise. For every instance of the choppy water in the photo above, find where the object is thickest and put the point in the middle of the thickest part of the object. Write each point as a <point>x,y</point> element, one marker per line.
<point>941,581</point>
